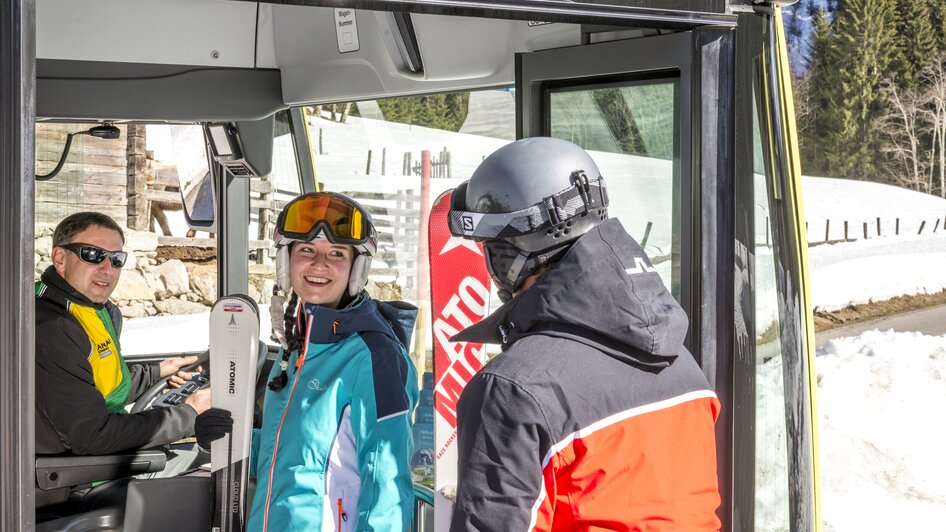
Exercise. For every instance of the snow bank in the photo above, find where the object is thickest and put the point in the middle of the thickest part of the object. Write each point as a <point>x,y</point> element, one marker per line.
<point>880,397</point>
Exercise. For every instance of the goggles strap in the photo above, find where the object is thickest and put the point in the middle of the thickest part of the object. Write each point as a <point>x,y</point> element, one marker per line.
<point>578,199</point>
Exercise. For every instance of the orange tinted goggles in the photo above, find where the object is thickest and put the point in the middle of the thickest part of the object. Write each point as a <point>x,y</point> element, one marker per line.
<point>345,220</point>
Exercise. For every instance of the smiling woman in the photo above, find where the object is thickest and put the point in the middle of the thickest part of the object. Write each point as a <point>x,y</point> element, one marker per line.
<point>350,353</point>
<point>320,271</point>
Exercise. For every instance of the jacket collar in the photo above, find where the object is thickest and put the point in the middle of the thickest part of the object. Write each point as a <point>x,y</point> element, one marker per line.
<point>605,293</point>
<point>329,325</point>
<point>60,291</point>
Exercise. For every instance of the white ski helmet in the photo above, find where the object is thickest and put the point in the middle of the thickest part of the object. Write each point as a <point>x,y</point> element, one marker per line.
<point>337,218</point>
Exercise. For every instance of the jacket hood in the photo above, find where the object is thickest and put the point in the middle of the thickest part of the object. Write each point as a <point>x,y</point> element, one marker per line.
<point>603,293</point>
<point>391,318</point>
<point>59,290</point>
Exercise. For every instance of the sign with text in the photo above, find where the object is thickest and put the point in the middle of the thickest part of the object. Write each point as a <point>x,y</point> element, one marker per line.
<point>459,298</point>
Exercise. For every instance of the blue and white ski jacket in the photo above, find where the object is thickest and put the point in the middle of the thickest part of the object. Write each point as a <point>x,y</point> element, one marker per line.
<point>334,449</point>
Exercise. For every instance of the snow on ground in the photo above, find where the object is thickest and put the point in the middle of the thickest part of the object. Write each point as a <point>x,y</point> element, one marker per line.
<point>878,393</point>
<point>880,397</point>
<point>874,270</point>
<point>881,267</point>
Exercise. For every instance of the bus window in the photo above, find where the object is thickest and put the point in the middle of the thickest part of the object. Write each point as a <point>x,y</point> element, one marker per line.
<point>374,151</point>
<point>134,180</point>
<point>630,132</point>
<point>771,440</point>
<point>267,197</point>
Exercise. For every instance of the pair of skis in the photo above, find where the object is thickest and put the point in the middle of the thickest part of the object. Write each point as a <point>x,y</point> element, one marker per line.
<point>234,347</point>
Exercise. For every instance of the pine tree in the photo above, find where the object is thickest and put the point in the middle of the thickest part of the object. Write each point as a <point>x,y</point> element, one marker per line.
<point>863,48</point>
<point>937,9</point>
<point>916,42</point>
<point>812,9</point>
<point>822,81</point>
<point>439,111</point>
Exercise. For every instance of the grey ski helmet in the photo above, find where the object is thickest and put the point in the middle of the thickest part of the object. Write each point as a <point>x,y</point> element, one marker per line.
<point>527,202</point>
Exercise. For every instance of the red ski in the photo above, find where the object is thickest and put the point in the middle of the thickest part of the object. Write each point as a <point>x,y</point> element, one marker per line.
<point>459,298</point>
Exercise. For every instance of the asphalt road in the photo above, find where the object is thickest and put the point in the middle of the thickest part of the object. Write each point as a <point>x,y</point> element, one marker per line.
<point>930,321</point>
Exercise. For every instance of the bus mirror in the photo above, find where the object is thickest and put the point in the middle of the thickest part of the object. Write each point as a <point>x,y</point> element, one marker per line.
<point>244,148</point>
<point>194,177</point>
<point>199,203</point>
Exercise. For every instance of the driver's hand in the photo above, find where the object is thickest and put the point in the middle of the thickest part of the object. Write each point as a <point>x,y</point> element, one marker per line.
<point>199,400</point>
<point>170,366</point>
<point>179,378</point>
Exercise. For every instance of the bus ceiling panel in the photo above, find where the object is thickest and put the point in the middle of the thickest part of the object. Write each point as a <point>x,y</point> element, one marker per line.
<point>453,52</point>
<point>179,32</point>
<point>668,14</point>
<point>119,91</point>
<point>265,37</point>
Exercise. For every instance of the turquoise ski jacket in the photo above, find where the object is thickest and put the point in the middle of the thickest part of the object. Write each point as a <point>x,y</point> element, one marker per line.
<point>334,449</point>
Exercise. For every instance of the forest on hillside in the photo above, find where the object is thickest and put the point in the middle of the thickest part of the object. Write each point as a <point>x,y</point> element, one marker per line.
<point>869,82</point>
<point>870,89</point>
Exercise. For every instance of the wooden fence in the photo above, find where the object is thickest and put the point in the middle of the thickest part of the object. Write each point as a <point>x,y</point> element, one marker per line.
<point>843,231</point>
<point>395,216</point>
<point>93,177</point>
<point>397,219</point>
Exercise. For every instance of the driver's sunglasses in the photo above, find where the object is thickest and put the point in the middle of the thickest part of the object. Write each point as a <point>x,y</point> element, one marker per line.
<point>93,255</point>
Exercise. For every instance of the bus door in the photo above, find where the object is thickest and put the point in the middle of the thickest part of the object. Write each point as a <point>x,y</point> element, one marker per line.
<point>659,116</point>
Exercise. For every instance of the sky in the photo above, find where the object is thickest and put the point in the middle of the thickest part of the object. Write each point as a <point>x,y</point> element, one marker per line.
<point>876,451</point>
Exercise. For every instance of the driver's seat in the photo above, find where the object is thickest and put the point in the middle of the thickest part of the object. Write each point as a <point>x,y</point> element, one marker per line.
<point>182,504</point>
<point>179,503</point>
<point>58,475</point>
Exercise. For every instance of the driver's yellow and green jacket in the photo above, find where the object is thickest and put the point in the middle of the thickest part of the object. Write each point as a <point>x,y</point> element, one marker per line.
<point>83,383</point>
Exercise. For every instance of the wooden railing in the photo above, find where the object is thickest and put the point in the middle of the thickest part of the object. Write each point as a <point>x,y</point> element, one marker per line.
<point>395,216</point>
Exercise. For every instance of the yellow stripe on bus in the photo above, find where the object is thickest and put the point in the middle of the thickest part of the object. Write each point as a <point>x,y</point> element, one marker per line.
<point>308,141</point>
<point>795,196</point>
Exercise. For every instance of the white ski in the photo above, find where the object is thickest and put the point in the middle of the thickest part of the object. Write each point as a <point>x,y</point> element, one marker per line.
<point>234,345</point>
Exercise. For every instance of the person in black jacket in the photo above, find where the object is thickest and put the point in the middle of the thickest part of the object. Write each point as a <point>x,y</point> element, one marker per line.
<point>82,381</point>
<point>594,416</point>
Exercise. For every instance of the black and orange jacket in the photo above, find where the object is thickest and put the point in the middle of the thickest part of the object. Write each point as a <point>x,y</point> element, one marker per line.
<point>83,383</point>
<point>595,416</point>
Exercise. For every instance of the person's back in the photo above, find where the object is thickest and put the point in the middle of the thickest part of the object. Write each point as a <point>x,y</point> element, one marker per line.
<point>595,416</point>
<point>598,383</point>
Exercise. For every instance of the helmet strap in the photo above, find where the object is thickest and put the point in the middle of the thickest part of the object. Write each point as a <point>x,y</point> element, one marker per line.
<point>524,265</point>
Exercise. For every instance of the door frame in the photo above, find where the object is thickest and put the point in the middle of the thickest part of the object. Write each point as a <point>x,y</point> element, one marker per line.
<point>703,62</point>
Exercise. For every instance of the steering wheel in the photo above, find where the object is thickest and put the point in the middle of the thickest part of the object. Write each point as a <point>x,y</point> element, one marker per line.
<point>146,399</point>
<point>153,393</point>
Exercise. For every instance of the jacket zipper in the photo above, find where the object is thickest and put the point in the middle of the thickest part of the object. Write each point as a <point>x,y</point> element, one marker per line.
<point>341,514</point>
<point>272,464</point>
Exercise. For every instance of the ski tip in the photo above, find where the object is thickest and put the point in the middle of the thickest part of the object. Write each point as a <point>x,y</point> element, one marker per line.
<point>236,298</point>
<point>444,196</point>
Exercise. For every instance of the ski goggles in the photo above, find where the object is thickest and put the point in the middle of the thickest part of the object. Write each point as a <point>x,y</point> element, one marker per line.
<point>342,219</point>
<point>95,255</point>
<point>575,200</point>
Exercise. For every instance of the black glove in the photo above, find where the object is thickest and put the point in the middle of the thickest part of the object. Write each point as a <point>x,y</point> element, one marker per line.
<point>213,424</point>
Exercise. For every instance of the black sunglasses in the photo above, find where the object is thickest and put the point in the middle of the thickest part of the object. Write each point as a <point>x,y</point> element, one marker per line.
<point>93,255</point>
